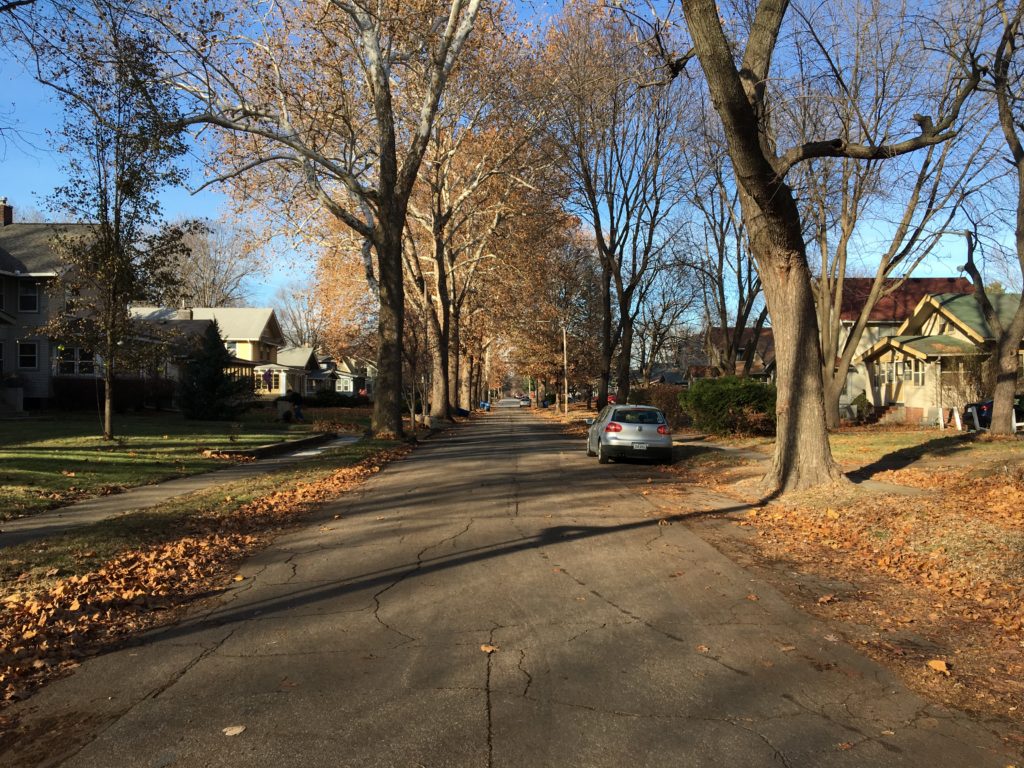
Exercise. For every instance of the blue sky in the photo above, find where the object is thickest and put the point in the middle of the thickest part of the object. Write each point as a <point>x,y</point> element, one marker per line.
<point>30,169</point>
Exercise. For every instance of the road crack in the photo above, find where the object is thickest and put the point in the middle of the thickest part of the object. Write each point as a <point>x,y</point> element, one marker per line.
<point>191,664</point>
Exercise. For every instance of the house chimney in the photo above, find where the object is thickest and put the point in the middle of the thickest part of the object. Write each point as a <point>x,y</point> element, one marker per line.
<point>8,213</point>
<point>185,313</point>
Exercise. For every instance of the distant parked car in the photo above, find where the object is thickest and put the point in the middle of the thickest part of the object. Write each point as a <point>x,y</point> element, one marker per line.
<point>509,402</point>
<point>525,401</point>
<point>984,411</point>
<point>629,431</point>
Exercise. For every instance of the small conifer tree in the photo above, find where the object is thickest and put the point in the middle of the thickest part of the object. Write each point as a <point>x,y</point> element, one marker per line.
<point>206,389</point>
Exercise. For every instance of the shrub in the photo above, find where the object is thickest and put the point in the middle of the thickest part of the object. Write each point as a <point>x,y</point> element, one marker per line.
<point>76,394</point>
<point>640,396</point>
<point>666,398</point>
<point>327,398</point>
<point>730,405</point>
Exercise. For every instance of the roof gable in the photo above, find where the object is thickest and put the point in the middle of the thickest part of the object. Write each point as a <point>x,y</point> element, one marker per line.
<point>28,248</point>
<point>236,323</point>
<point>901,303</point>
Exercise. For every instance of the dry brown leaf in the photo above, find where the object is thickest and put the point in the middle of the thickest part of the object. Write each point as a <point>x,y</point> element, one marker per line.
<point>233,730</point>
<point>940,666</point>
<point>703,649</point>
<point>239,577</point>
<point>753,598</point>
<point>826,599</point>
<point>488,648</point>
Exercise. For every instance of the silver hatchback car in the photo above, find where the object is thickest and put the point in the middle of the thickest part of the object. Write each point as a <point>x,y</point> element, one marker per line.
<point>629,430</point>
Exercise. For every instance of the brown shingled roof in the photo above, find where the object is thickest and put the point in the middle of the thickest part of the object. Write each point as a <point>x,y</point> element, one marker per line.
<point>899,305</point>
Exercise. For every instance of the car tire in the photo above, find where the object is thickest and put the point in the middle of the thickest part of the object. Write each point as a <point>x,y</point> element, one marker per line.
<point>602,454</point>
<point>589,451</point>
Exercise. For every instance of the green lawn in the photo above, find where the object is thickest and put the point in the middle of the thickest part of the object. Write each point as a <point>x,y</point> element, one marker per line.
<point>55,458</point>
<point>30,565</point>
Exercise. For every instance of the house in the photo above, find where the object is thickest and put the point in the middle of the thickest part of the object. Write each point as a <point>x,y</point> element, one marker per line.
<point>181,337</point>
<point>300,371</point>
<point>763,341</point>
<point>351,375</point>
<point>251,335</point>
<point>928,365</point>
<point>28,263</point>
<point>885,318</point>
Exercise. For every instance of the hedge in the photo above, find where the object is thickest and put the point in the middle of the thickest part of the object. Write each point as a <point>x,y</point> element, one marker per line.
<point>730,405</point>
<point>665,397</point>
<point>76,394</point>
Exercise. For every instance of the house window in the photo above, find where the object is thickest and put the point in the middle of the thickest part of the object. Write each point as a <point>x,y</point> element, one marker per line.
<point>918,373</point>
<point>28,296</point>
<point>75,361</point>
<point>268,381</point>
<point>231,347</point>
<point>28,355</point>
<point>344,385</point>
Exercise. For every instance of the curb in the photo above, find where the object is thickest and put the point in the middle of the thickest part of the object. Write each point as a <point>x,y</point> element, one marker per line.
<point>275,449</point>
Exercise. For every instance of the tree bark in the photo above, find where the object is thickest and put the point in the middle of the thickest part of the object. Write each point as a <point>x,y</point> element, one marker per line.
<point>386,421</point>
<point>623,368</point>
<point>605,372</point>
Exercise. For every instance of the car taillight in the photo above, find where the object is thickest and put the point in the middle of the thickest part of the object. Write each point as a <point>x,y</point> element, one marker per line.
<point>613,426</point>
<point>663,429</point>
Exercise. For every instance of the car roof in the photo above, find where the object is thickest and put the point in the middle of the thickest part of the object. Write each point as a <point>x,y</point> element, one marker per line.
<point>638,407</point>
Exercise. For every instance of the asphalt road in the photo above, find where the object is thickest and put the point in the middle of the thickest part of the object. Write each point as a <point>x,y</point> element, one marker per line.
<point>615,641</point>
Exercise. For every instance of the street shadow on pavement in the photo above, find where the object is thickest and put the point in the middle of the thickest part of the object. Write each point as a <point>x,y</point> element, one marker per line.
<point>904,457</point>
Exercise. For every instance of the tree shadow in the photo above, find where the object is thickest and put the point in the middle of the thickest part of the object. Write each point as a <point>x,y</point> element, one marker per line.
<point>904,457</point>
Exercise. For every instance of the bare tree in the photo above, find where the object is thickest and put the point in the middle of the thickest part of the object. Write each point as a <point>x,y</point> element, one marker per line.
<point>217,270</point>
<point>301,316</point>
<point>734,308</point>
<point>857,75</point>
<point>622,145</point>
<point>1005,77</point>
<point>741,84</point>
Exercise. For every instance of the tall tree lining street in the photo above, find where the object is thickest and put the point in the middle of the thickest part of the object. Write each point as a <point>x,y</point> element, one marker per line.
<point>496,599</point>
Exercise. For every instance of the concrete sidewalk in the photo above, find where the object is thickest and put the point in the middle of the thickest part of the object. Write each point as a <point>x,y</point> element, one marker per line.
<point>90,511</point>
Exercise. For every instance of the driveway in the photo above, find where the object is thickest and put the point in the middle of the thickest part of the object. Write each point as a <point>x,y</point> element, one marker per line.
<point>496,599</point>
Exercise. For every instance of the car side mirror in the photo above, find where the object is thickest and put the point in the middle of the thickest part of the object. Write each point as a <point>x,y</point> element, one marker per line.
<point>589,422</point>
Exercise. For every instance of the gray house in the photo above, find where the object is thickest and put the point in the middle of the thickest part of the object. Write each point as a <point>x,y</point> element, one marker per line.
<point>28,264</point>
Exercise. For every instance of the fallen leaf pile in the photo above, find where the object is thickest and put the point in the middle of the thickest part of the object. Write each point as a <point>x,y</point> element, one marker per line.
<point>334,426</point>
<point>50,630</point>
<point>937,574</point>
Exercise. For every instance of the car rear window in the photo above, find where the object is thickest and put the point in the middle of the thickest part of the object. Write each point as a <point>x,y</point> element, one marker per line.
<point>631,416</point>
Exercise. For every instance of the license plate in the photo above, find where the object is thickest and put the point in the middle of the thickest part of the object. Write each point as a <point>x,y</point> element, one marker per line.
<point>639,446</point>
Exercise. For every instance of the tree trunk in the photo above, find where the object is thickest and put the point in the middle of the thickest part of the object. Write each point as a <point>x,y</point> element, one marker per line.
<point>464,382</point>
<point>387,404</point>
<point>1005,363</point>
<point>802,457</point>
<point>455,361</point>
<point>108,398</point>
<point>440,405</point>
<point>605,372</point>
<point>623,369</point>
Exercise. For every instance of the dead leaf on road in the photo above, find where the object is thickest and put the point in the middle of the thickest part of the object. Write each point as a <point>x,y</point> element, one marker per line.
<point>826,599</point>
<point>233,730</point>
<point>787,648</point>
<point>753,598</point>
<point>488,648</point>
<point>239,577</point>
<point>939,666</point>
<point>703,649</point>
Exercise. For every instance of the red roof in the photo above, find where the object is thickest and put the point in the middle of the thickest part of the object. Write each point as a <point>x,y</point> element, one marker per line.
<point>898,305</point>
